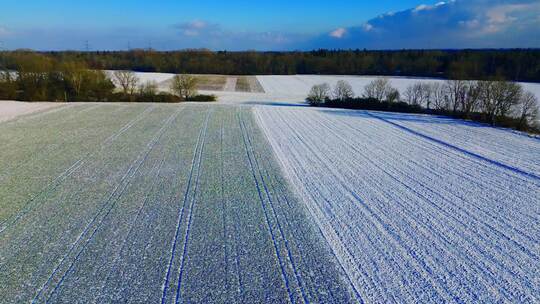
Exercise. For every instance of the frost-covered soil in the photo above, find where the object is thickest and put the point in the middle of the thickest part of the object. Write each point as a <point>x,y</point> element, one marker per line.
<point>417,209</point>
<point>517,151</point>
<point>114,203</point>
<point>221,85</point>
<point>270,201</point>
<point>10,110</point>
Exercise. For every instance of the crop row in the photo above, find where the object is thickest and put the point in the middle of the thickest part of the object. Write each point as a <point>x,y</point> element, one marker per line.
<point>45,154</point>
<point>410,218</point>
<point>496,144</point>
<point>170,203</point>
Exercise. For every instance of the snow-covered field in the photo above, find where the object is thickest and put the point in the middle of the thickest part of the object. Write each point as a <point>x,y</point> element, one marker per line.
<point>294,88</point>
<point>161,79</point>
<point>11,109</point>
<point>273,202</point>
<point>299,85</point>
<point>417,209</point>
<point>516,150</point>
<point>146,203</point>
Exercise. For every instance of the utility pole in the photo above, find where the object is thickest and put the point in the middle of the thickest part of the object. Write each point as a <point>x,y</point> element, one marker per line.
<point>87,46</point>
<point>129,46</point>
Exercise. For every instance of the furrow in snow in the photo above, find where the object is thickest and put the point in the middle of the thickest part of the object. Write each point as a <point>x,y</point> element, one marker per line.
<point>405,215</point>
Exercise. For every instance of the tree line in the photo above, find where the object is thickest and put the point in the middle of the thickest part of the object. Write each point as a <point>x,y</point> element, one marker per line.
<point>514,64</point>
<point>495,101</point>
<point>34,76</point>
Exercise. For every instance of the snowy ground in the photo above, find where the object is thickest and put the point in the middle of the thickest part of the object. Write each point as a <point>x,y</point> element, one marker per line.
<point>12,109</point>
<point>294,88</point>
<point>146,203</point>
<point>417,209</point>
<point>301,84</point>
<point>268,201</point>
<point>163,81</point>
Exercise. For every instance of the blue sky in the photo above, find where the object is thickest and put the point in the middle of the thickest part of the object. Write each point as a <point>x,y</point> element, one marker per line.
<point>268,25</point>
<point>305,16</point>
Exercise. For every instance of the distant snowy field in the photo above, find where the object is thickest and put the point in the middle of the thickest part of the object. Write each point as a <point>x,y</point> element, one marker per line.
<point>294,88</point>
<point>299,85</point>
<point>11,109</point>
<point>416,208</point>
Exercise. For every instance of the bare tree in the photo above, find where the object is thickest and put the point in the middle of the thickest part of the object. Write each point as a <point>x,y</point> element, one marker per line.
<point>378,89</point>
<point>508,95</point>
<point>343,91</point>
<point>33,70</point>
<point>414,94</point>
<point>393,95</point>
<point>318,94</point>
<point>470,99</point>
<point>74,74</point>
<point>127,81</point>
<point>8,86</point>
<point>6,75</point>
<point>527,110</point>
<point>426,95</point>
<point>419,94</point>
<point>98,84</point>
<point>184,86</point>
<point>149,88</point>
<point>438,97</point>
<point>488,102</point>
<point>455,90</point>
<point>497,98</point>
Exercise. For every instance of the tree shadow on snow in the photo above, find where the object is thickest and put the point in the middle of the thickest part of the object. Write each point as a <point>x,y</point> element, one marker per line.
<point>421,118</point>
<point>393,116</point>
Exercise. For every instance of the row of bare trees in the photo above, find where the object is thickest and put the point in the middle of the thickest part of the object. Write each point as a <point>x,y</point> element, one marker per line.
<point>323,92</point>
<point>491,101</point>
<point>184,86</point>
<point>494,99</point>
<point>39,78</point>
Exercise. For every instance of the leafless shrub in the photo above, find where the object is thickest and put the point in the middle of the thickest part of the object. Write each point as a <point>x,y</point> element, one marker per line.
<point>318,94</point>
<point>127,81</point>
<point>343,91</point>
<point>184,86</point>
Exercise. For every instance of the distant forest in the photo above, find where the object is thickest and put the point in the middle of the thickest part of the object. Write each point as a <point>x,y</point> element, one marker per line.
<point>511,64</point>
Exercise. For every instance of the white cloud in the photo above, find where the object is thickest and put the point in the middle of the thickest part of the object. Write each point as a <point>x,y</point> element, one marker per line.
<point>425,7</point>
<point>4,32</point>
<point>338,33</point>
<point>500,17</point>
<point>342,32</point>
<point>197,27</point>
<point>204,34</point>
<point>421,7</point>
<point>367,27</point>
<point>470,24</point>
<point>198,24</point>
<point>450,24</point>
